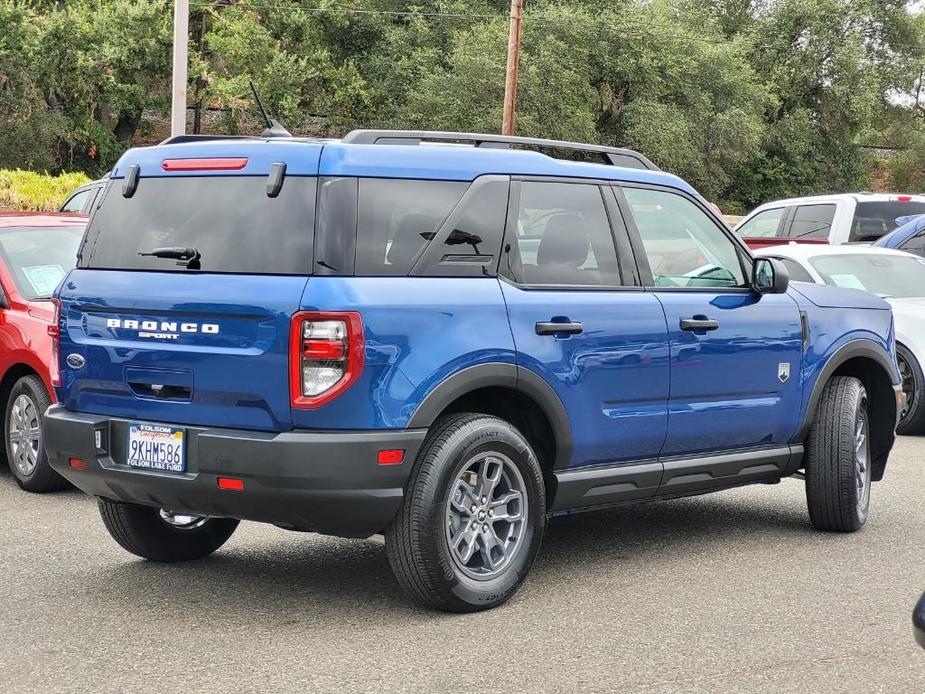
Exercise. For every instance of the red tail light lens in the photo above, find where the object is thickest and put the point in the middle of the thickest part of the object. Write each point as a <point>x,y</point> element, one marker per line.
<point>326,356</point>
<point>54,331</point>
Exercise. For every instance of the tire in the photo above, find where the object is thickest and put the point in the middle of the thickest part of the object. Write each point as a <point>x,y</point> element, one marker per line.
<point>838,458</point>
<point>22,437</point>
<point>146,532</point>
<point>912,421</point>
<point>463,456</point>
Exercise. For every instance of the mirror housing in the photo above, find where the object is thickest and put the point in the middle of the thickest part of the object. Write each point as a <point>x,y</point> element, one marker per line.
<point>918,621</point>
<point>770,276</point>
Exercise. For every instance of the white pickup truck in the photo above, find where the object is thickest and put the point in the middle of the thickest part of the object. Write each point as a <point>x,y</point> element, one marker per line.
<point>833,219</point>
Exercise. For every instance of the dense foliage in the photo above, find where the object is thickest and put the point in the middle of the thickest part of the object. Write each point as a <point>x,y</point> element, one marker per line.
<point>747,99</point>
<point>28,190</point>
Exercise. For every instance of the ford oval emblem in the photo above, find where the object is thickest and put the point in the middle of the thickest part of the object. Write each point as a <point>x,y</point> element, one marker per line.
<point>75,361</point>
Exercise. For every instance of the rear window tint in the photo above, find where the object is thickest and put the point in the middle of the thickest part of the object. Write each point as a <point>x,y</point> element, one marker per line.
<point>230,220</point>
<point>397,219</point>
<point>875,219</point>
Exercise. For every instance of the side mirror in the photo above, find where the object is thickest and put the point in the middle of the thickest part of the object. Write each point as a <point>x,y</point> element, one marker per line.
<point>770,276</point>
<point>918,622</point>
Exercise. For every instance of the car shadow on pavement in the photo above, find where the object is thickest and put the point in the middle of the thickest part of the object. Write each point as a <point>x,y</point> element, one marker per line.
<point>296,578</point>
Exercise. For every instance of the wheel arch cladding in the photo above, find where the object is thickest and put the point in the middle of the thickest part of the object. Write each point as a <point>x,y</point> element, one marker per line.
<point>873,366</point>
<point>514,394</point>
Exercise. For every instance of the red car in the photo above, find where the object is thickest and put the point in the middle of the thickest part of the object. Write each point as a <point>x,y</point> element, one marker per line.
<point>36,251</point>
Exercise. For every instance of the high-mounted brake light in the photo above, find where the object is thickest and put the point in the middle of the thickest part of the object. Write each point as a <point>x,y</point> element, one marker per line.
<point>54,331</point>
<point>325,356</point>
<point>903,198</point>
<point>211,164</point>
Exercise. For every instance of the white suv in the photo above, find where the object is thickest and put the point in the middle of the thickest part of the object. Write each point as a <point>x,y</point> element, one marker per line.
<point>834,219</point>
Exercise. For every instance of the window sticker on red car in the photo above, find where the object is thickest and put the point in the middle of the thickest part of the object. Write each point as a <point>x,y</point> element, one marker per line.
<point>44,278</point>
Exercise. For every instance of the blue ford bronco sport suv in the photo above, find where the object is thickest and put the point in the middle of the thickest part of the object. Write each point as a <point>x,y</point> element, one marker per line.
<point>445,338</point>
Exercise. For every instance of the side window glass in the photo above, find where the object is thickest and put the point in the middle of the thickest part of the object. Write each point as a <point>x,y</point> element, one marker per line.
<point>562,236</point>
<point>468,243</point>
<point>797,272</point>
<point>685,248</point>
<point>762,225</point>
<point>915,245</point>
<point>812,221</point>
<point>397,218</point>
<point>76,202</point>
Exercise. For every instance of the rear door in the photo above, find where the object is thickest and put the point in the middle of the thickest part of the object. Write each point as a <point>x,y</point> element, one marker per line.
<point>200,340</point>
<point>581,322</point>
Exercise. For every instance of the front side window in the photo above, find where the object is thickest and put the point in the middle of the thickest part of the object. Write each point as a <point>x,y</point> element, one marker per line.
<point>76,202</point>
<point>915,245</point>
<point>684,247</point>
<point>396,220</point>
<point>39,259</point>
<point>562,237</point>
<point>762,225</point>
<point>812,221</point>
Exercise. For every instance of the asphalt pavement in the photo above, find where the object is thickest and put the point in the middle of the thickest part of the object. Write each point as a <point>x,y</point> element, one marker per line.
<point>731,592</point>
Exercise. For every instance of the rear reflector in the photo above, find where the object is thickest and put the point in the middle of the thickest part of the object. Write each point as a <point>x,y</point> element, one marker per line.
<point>213,164</point>
<point>391,457</point>
<point>231,483</point>
<point>76,464</point>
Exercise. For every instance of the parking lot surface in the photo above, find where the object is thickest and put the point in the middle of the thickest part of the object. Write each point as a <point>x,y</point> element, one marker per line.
<point>729,592</point>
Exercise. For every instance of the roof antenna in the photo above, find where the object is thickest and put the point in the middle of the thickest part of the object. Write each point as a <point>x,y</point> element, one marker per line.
<point>274,128</point>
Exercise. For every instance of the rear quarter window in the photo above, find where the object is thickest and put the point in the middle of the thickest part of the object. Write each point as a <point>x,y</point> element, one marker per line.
<point>230,220</point>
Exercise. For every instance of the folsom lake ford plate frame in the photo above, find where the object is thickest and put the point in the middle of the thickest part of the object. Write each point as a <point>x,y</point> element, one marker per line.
<point>156,447</point>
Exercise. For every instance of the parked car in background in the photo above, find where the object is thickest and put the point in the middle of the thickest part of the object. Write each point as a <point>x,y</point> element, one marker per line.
<point>893,275</point>
<point>827,219</point>
<point>36,252</point>
<point>918,621</point>
<point>910,237</point>
<point>82,199</point>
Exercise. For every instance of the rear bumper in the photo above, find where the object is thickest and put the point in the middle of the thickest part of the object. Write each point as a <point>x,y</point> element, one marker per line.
<point>323,481</point>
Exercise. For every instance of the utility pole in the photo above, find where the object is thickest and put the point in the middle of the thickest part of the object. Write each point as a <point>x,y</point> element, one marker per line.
<point>513,62</point>
<point>180,63</point>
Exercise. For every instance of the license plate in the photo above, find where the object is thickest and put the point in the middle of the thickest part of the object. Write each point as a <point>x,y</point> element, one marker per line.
<point>156,447</point>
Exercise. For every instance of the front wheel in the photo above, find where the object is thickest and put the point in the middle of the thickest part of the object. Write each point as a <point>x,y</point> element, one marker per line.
<point>838,473</point>
<point>912,419</point>
<point>164,536</point>
<point>473,516</point>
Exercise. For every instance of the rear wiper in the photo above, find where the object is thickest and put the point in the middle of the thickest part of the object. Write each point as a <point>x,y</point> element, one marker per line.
<point>187,257</point>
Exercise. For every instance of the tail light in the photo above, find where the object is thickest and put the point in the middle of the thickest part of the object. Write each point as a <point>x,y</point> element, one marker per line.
<point>54,331</point>
<point>326,356</point>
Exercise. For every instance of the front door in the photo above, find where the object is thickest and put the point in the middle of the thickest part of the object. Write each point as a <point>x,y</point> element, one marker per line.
<point>580,324</point>
<point>735,354</point>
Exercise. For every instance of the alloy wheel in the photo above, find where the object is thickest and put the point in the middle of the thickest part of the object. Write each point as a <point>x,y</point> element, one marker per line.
<point>24,434</point>
<point>486,515</point>
<point>909,385</point>
<point>862,461</point>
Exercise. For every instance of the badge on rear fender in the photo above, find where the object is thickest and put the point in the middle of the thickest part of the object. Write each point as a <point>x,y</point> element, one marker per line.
<point>783,371</point>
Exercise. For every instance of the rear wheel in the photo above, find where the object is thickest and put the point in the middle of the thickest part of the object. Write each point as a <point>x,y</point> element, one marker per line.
<point>838,473</point>
<point>22,429</point>
<point>161,535</point>
<point>912,418</point>
<point>473,515</point>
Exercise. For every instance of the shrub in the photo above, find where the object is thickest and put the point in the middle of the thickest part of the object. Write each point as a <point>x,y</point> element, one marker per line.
<point>27,190</point>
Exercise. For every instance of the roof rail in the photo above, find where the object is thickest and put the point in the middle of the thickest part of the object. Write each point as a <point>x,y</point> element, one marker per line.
<point>178,139</point>
<point>614,156</point>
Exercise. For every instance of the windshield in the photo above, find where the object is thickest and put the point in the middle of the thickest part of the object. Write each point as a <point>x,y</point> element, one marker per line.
<point>888,276</point>
<point>230,221</point>
<point>874,219</point>
<point>39,258</point>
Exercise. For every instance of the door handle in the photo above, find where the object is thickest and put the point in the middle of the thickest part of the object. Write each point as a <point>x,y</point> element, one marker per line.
<point>699,323</point>
<point>551,328</point>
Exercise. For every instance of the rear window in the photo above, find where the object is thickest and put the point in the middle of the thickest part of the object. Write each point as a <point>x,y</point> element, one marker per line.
<point>874,219</point>
<point>39,258</point>
<point>230,220</point>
